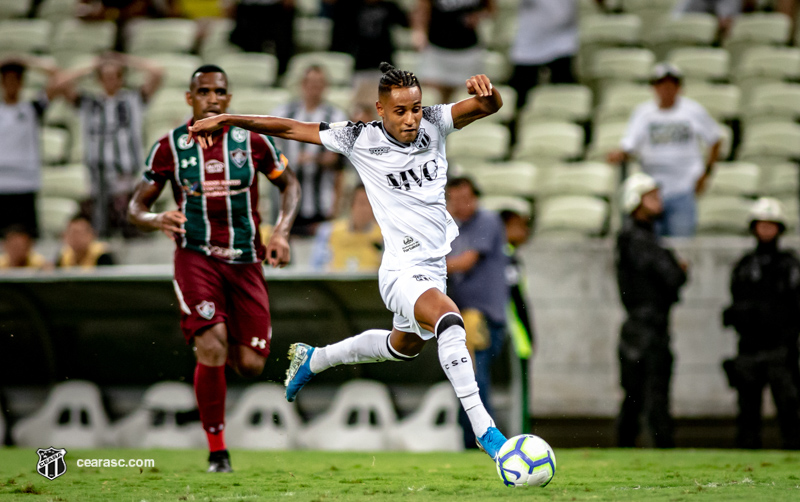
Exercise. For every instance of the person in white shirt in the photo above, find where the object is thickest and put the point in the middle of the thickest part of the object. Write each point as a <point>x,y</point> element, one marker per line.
<point>664,135</point>
<point>403,165</point>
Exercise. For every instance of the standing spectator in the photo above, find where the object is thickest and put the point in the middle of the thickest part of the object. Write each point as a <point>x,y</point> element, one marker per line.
<point>547,37</point>
<point>350,244</point>
<point>18,250</point>
<point>446,33</point>
<point>476,269</point>
<point>20,165</point>
<point>664,134</point>
<point>725,10</point>
<point>318,170</point>
<point>650,278</point>
<point>81,247</point>
<point>112,135</point>
<point>765,286</point>
<point>265,26</point>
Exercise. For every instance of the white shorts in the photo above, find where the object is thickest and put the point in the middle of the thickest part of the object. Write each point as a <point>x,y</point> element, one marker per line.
<point>450,67</point>
<point>400,290</point>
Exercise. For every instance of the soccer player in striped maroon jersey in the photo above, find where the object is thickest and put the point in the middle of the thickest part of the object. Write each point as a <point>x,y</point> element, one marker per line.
<point>218,277</point>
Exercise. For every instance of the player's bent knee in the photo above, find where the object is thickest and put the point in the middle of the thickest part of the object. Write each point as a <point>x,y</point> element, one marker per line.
<point>447,321</point>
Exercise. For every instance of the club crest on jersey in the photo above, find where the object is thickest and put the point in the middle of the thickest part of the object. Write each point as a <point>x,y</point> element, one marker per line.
<point>184,142</point>
<point>409,243</point>
<point>239,135</point>
<point>423,140</point>
<point>239,157</point>
<point>379,150</point>
<point>206,309</point>
<point>214,167</point>
<point>51,462</point>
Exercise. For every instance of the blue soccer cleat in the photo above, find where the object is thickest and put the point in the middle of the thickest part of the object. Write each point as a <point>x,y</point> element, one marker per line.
<point>491,441</point>
<point>299,372</point>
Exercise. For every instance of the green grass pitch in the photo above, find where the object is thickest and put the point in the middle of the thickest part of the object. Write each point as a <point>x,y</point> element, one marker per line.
<point>582,475</point>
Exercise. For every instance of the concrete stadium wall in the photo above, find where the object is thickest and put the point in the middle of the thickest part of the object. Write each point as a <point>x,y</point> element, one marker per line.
<point>578,316</point>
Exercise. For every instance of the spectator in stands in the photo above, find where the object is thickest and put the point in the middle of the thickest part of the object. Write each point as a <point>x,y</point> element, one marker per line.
<point>445,32</point>
<point>112,135</point>
<point>664,134</point>
<point>18,244</point>
<point>725,10</point>
<point>318,170</point>
<point>81,247</point>
<point>350,244</point>
<point>649,278</point>
<point>765,286</point>
<point>264,26</point>
<point>477,283</point>
<point>20,164</point>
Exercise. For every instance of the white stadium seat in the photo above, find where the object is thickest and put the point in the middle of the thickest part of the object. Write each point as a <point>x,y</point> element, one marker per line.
<point>263,420</point>
<point>434,425</point>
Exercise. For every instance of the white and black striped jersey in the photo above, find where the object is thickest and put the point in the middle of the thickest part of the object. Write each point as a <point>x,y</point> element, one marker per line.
<point>405,183</point>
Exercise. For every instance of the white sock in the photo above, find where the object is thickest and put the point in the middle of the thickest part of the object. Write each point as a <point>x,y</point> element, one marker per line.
<point>457,365</point>
<point>371,346</point>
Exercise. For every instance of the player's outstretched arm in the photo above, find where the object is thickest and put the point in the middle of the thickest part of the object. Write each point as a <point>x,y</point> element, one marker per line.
<point>485,101</point>
<point>307,132</point>
<point>278,252</point>
<point>139,213</point>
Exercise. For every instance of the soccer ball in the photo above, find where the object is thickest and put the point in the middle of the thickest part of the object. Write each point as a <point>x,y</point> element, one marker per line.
<point>526,460</point>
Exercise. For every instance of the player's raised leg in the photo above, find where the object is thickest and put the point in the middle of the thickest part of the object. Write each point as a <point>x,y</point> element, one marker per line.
<point>211,350</point>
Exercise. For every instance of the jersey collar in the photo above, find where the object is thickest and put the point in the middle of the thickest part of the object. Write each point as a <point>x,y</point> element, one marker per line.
<point>392,140</point>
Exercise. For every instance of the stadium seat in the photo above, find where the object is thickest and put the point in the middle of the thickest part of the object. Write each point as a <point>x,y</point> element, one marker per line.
<point>216,43</point>
<point>721,101</point>
<point>338,67</point>
<point>55,145</point>
<point>612,66</point>
<point>651,12</point>
<point>169,105</point>
<point>407,60</point>
<point>583,178</point>
<point>496,66</point>
<point>158,36</point>
<point>571,216</point>
<point>771,103</point>
<point>24,36</point>
<point>506,178</point>
<point>603,31</point>
<point>770,143</point>
<point>71,417</point>
<point>498,203</point>
<point>401,38</point>
<point>360,418</point>
<point>308,8</point>
<point>780,180</point>
<point>764,65</point>
<point>792,208</point>
<point>506,113</point>
<point>701,64</point>
<point>153,424</point>
<point>549,142</point>
<point>313,33</point>
<point>178,70</point>
<point>14,8</point>
<point>762,28</point>
<point>56,10</point>
<point>340,97</point>
<point>722,215</point>
<point>607,137</point>
<point>690,29</point>
<point>618,102</point>
<point>734,178</point>
<point>434,425</point>
<point>54,213</point>
<point>70,181</point>
<point>249,69</point>
<point>263,420</point>
<point>479,141</point>
<point>498,32</point>
<point>549,103</point>
<point>259,101</point>
<point>78,37</point>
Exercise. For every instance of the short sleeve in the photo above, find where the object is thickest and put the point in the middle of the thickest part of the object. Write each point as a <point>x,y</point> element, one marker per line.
<point>160,164</point>
<point>441,116</point>
<point>340,137</point>
<point>708,127</point>
<point>268,158</point>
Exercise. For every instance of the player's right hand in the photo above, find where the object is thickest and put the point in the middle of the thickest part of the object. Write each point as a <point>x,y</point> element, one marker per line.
<point>201,130</point>
<point>170,223</point>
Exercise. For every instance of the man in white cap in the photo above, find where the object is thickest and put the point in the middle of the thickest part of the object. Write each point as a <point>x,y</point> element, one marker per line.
<point>765,286</point>
<point>664,134</point>
<point>649,278</point>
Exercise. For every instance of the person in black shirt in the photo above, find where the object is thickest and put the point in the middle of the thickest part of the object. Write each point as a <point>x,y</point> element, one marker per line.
<point>765,286</point>
<point>650,278</point>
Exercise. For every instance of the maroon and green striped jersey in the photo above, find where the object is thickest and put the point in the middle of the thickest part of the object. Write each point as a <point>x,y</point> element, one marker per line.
<point>217,189</point>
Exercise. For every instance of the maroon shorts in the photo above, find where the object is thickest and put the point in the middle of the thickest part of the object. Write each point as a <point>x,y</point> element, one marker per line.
<point>212,292</point>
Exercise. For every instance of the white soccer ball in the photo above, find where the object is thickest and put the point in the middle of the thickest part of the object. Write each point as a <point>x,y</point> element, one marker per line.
<point>526,460</point>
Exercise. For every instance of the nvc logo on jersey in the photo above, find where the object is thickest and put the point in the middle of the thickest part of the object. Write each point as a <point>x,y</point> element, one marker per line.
<point>427,171</point>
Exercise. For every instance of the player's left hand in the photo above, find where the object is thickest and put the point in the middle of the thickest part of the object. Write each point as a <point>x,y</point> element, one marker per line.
<point>201,130</point>
<point>278,253</point>
<point>479,86</point>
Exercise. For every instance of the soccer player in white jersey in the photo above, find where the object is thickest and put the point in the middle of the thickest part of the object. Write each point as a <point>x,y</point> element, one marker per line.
<point>403,165</point>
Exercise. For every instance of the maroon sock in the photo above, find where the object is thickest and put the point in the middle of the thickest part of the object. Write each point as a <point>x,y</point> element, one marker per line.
<point>209,387</point>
